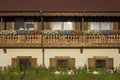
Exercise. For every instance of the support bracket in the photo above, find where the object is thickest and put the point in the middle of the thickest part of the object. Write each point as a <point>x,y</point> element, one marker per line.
<point>5,50</point>
<point>81,50</point>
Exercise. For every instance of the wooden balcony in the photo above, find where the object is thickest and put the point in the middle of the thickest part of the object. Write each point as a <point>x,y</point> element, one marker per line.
<point>59,41</point>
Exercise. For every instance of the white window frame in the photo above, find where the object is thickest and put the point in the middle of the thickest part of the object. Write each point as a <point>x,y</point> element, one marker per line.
<point>100,26</point>
<point>62,26</point>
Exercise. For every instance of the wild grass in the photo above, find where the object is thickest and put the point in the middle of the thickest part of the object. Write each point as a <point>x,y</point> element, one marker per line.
<point>43,73</point>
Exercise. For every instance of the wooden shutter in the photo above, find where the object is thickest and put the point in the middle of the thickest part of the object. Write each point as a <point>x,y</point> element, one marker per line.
<point>85,26</point>
<point>8,25</point>
<point>71,62</point>
<point>78,26</point>
<point>118,25</point>
<point>109,63</point>
<point>39,25</point>
<point>91,62</point>
<point>33,62</point>
<point>115,25</point>
<point>14,62</point>
<point>53,62</point>
<point>47,25</point>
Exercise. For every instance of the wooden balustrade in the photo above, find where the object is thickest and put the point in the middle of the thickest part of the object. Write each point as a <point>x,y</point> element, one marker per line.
<point>59,40</point>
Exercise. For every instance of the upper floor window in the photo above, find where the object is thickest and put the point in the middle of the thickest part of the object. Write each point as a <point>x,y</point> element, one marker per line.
<point>29,24</point>
<point>62,26</point>
<point>100,26</point>
<point>21,24</point>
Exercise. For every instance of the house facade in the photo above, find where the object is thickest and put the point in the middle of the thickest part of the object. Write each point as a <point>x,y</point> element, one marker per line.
<point>60,38</point>
<point>71,35</point>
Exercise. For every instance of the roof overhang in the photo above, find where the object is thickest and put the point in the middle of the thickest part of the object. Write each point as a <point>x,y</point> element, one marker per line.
<point>57,13</point>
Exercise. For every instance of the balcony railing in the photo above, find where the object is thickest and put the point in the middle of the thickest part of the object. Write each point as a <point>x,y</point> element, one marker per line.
<point>60,41</point>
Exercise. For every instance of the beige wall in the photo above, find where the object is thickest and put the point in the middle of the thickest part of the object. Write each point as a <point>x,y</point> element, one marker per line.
<point>5,58</point>
<point>80,58</point>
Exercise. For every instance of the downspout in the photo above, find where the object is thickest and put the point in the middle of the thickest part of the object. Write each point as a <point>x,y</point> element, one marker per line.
<point>42,46</point>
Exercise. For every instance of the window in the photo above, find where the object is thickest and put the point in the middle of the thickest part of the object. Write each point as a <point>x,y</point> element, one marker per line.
<point>94,26</point>
<point>62,63</point>
<point>19,23</point>
<point>29,24</point>
<point>24,63</point>
<point>100,26</point>
<point>105,26</point>
<point>62,26</point>
<point>100,63</point>
<point>57,25</point>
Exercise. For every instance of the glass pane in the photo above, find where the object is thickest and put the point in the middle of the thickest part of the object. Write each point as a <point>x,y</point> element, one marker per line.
<point>94,25</point>
<point>100,63</point>
<point>62,63</point>
<point>105,26</point>
<point>67,26</point>
<point>57,25</point>
<point>24,64</point>
<point>29,25</point>
<point>19,23</point>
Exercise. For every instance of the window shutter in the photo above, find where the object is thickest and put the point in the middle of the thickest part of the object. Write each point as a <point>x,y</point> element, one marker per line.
<point>53,62</point>
<point>86,26</point>
<point>118,25</point>
<point>78,26</point>
<point>14,62</point>
<point>47,25</point>
<point>109,63</point>
<point>33,62</point>
<point>71,62</point>
<point>8,25</point>
<point>91,62</point>
<point>115,25</point>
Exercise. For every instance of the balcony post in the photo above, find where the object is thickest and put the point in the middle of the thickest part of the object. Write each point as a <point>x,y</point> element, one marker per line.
<point>82,23</point>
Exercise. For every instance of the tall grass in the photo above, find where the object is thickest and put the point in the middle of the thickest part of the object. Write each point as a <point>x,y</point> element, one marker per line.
<point>43,73</point>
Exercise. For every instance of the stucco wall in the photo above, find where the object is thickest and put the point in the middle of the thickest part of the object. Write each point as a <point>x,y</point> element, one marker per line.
<point>5,58</point>
<point>80,58</point>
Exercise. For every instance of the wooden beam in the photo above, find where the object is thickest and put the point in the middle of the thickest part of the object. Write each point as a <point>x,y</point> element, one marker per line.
<point>81,50</point>
<point>82,23</point>
<point>119,50</point>
<point>5,50</point>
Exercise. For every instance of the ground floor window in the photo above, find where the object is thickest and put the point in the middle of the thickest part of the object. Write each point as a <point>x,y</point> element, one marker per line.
<point>24,62</point>
<point>62,61</point>
<point>100,62</point>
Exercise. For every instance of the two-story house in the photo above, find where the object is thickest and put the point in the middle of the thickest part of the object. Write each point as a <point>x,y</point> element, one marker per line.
<point>60,33</point>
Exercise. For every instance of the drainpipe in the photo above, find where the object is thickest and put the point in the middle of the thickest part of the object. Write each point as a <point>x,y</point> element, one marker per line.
<point>42,46</point>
